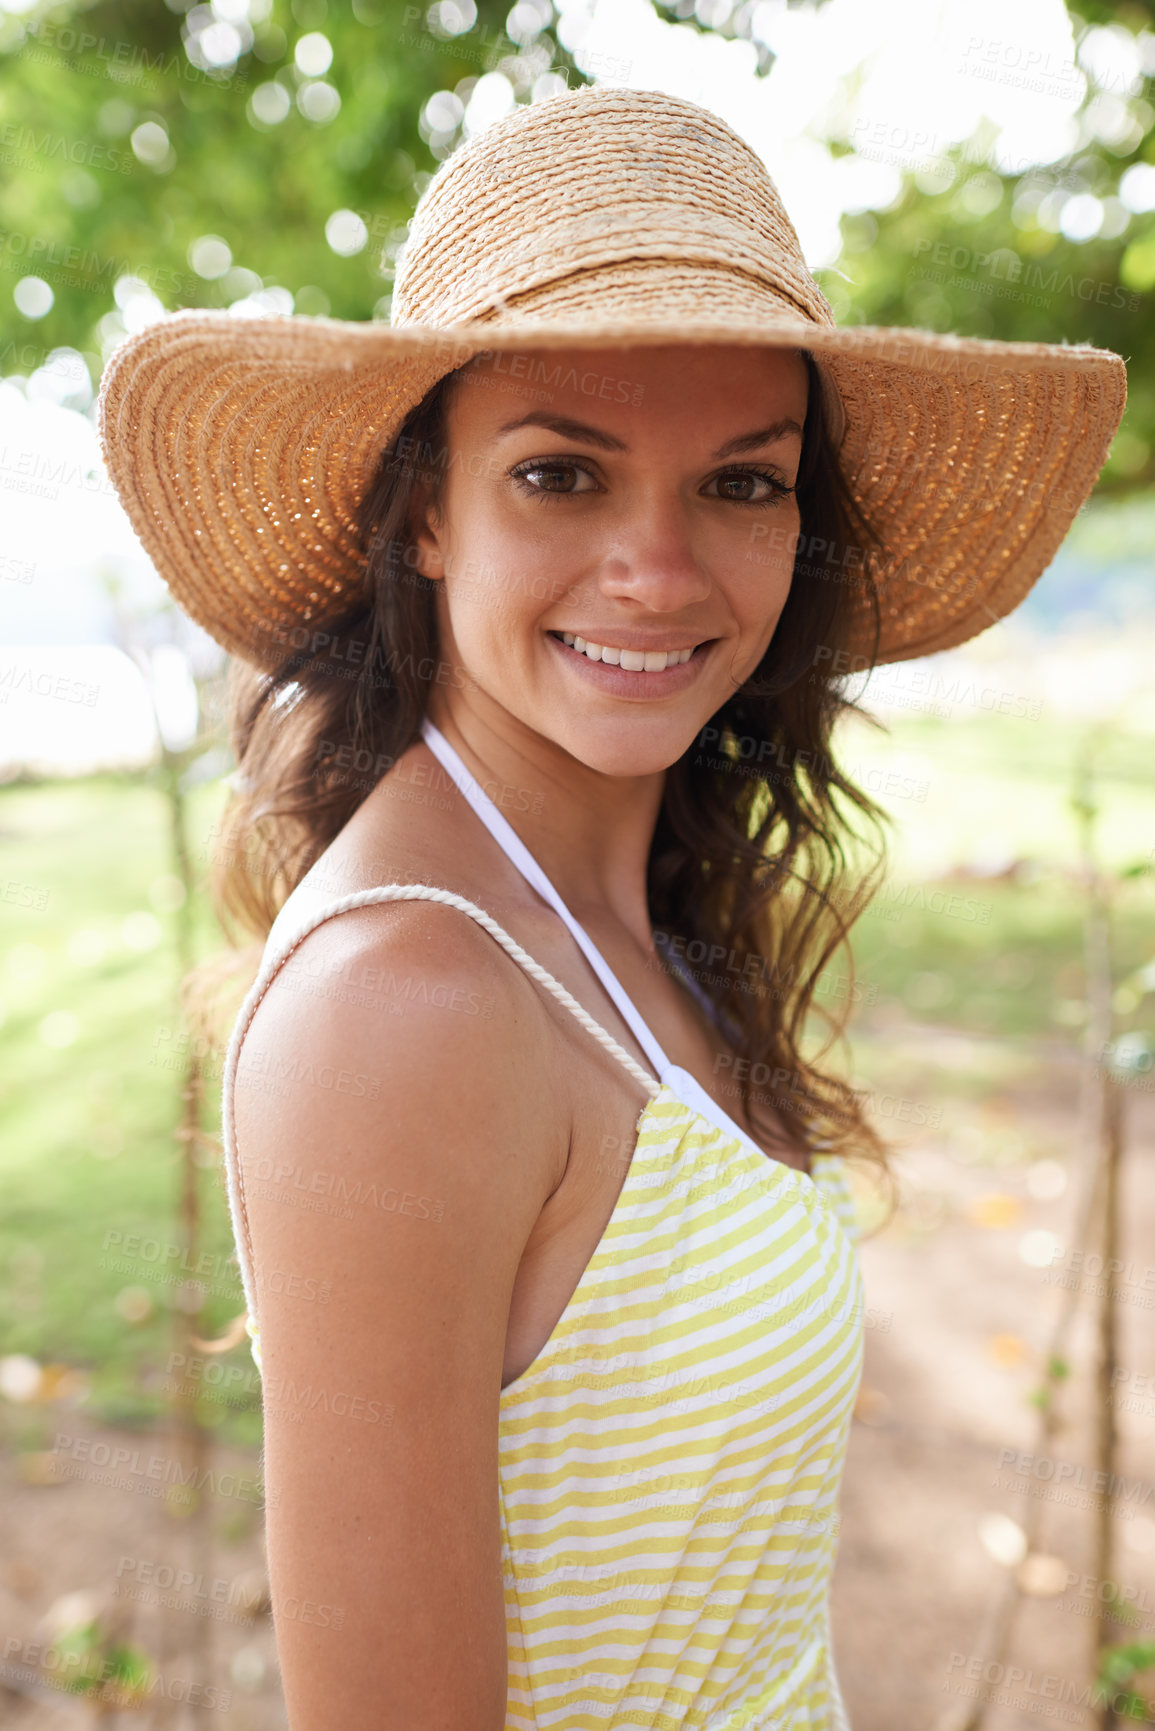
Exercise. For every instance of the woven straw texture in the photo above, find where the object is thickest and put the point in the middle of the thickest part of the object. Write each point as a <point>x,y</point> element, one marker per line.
<point>596,219</point>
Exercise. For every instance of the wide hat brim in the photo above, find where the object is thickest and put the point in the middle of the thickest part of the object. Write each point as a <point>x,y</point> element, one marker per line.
<point>242,448</point>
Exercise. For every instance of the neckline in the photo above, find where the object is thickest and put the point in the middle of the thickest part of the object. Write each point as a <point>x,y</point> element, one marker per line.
<point>803,1184</point>
<point>665,1094</point>
<point>669,1075</point>
<point>534,874</point>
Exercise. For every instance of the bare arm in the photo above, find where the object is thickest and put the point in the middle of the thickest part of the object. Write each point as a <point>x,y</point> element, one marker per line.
<point>398,1168</point>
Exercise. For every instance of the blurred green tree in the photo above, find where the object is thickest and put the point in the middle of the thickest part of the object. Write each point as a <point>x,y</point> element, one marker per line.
<point>1059,252</point>
<point>269,153</point>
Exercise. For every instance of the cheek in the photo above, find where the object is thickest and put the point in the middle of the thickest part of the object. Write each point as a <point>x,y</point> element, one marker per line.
<point>494,605</point>
<point>762,573</point>
<point>480,555</point>
<point>489,533</point>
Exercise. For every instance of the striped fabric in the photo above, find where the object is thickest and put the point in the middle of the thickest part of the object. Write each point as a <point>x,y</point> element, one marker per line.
<point>670,1462</point>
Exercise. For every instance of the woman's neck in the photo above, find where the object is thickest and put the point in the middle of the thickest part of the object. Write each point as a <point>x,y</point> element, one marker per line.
<point>591,833</point>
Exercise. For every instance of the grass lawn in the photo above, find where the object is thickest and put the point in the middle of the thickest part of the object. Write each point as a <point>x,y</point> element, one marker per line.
<point>93,1038</point>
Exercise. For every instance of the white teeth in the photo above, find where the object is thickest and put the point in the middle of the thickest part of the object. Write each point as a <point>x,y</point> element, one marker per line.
<point>633,660</point>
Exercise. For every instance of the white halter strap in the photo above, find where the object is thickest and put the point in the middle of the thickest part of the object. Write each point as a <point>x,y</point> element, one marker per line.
<point>512,845</point>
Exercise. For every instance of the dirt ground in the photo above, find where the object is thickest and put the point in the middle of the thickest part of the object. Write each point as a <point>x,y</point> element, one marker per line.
<point>962,1324</point>
<point>944,1459</point>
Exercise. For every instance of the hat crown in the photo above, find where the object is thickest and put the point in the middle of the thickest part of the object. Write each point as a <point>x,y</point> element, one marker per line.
<point>598,202</point>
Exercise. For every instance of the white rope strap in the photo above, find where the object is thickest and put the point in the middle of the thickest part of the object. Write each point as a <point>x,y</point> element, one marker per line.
<point>427,893</point>
<point>365,898</point>
<point>393,892</point>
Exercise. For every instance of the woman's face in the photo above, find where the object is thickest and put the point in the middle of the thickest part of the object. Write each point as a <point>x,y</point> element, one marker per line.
<point>640,500</point>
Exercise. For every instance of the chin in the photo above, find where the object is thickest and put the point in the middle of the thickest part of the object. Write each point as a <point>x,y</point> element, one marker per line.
<point>628,746</point>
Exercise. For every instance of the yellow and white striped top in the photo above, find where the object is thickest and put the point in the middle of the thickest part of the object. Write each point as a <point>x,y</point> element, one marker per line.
<point>669,1463</point>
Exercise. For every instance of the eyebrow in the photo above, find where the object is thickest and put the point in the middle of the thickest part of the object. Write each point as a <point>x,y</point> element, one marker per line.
<point>568,429</point>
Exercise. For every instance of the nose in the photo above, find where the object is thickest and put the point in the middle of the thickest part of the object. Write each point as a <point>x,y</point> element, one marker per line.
<point>652,558</point>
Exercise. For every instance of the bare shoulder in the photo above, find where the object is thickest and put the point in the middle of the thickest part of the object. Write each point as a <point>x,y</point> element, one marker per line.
<point>411,1043</point>
<point>416,986</point>
<point>391,1109</point>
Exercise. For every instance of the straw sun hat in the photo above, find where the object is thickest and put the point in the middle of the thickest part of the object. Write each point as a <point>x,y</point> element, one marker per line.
<point>600,218</point>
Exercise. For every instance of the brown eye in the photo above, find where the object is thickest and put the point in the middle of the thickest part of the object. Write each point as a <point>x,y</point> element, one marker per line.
<point>739,487</point>
<point>553,477</point>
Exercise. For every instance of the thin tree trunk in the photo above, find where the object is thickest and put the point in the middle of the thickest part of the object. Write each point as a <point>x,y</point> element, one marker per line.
<point>1107,1439</point>
<point>191,1444</point>
<point>1107,1145</point>
<point>1096,1220</point>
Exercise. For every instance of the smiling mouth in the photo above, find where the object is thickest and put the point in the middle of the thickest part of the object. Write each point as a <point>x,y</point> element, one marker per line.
<point>630,660</point>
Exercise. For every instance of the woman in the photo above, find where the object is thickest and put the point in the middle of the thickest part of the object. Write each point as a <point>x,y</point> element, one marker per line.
<point>543,598</point>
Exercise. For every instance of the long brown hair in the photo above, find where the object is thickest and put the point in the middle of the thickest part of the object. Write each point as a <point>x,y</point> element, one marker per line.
<point>764,853</point>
